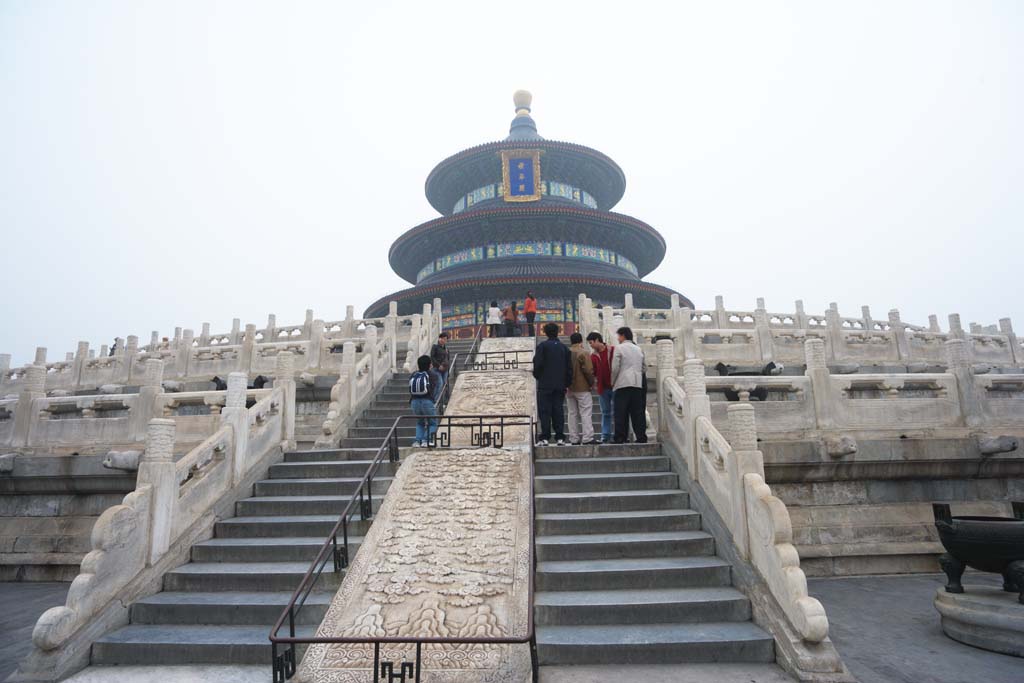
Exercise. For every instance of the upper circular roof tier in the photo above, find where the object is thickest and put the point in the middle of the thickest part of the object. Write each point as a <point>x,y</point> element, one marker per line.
<point>563,162</point>
<point>633,238</point>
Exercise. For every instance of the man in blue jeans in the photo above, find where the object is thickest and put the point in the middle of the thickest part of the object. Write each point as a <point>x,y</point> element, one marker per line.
<point>422,386</point>
<point>552,368</point>
<point>602,362</point>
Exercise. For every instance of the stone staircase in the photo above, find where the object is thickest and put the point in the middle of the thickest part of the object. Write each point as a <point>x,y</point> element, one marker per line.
<point>219,608</point>
<point>625,575</point>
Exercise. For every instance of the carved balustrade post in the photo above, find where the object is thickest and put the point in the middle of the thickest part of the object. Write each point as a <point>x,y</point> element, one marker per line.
<point>236,334</point>
<point>959,360</point>
<point>156,469</point>
<point>836,345</point>
<point>695,404</point>
<point>1016,353</point>
<point>801,315</point>
<point>666,355</point>
<point>183,355</point>
<point>204,335</point>
<point>745,458</point>
<point>720,317</point>
<point>370,349</point>
<point>81,355</point>
<point>348,326</point>
<point>26,415</point>
<point>147,403</point>
<point>899,330</point>
<point>40,356</point>
<point>236,415</point>
<point>270,333</point>
<point>391,333</point>
<point>438,321</point>
<point>284,377</point>
<point>246,357</point>
<point>315,349</point>
<point>130,351</point>
<point>766,344</point>
<point>307,325</point>
<point>629,312</point>
<point>821,384</point>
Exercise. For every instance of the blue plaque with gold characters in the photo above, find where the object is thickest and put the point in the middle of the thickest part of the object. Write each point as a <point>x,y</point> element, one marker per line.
<point>520,175</point>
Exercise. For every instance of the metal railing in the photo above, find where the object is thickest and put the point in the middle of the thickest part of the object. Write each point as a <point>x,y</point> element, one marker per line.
<point>500,360</point>
<point>484,431</point>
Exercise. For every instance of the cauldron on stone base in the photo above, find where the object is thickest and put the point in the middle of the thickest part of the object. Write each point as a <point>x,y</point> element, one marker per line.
<point>988,544</point>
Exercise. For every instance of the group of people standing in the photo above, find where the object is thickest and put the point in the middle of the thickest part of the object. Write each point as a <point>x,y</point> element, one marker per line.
<point>570,374</point>
<point>504,322</point>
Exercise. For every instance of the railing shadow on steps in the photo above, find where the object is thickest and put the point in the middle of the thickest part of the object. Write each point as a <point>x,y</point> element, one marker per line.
<point>483,431</point>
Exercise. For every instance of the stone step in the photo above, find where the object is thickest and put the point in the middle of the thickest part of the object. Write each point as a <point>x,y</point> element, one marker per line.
<point>261,506</point>
<point>331,454</point>
<point>616,522</point>
<point>329,468</point>
<point>375,442</point>
<point>320,486</point>
<point>621,574</point>
<point>279,549</point>
<point>570,483</point>
<point>228,608</point>
<point>378,433</point>
<point>154,645</point>
<point>643,463</point>
<point>278,526</point>
<point>651,606</point>
<point>598,451</point>
<point>635,545</point>
<point>244,576</point>
<point>654,643</point>
<point>611,501</point>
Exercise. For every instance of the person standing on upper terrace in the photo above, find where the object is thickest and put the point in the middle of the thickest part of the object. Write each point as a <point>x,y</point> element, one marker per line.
<point>628,380</point>
<point>601,360</point>
<point>580,400</point>
<point>552,368</point>
<point>530,311</point>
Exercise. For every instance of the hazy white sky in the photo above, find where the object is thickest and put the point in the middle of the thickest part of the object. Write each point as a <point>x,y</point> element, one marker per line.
<point>169,163</point>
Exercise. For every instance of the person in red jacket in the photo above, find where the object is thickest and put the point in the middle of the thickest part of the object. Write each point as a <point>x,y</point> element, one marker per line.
<point>530,311</point>
<point>602,361</point>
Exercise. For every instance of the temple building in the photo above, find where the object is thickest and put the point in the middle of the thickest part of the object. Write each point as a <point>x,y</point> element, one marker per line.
<point>525,214</point>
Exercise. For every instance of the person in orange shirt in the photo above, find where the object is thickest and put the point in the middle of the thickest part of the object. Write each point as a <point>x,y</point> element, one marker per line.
<point>530,311</point>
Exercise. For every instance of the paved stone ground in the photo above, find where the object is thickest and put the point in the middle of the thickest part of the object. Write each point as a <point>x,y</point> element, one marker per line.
<point>887,631</point>
<point>20,606</point>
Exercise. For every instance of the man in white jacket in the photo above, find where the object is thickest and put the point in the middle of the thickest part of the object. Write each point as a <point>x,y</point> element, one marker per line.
<point>628,382</point>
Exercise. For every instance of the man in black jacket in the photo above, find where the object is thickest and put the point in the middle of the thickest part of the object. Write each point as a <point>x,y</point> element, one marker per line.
<point>552,368</point>
<point>439,360</point>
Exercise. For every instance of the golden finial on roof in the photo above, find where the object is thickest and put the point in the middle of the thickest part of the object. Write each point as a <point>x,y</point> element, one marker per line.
<point>522,99</point>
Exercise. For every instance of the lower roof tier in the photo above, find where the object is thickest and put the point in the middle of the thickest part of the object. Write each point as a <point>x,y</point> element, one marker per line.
<point>484,289</point>
<point>641,245</point>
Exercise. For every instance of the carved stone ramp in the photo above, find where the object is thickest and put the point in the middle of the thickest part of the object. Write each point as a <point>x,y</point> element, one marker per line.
<point>448,554</point>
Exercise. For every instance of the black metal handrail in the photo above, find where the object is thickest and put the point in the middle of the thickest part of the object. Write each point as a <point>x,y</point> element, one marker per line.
<point>482,434</point>
<point>446,389</point>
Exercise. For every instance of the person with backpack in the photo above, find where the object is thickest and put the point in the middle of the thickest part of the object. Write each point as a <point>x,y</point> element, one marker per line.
<point>552,368</point>
<point>601,358</point>
<point>629,379</point>
<point>579,398</point>
<point>422,387</point>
